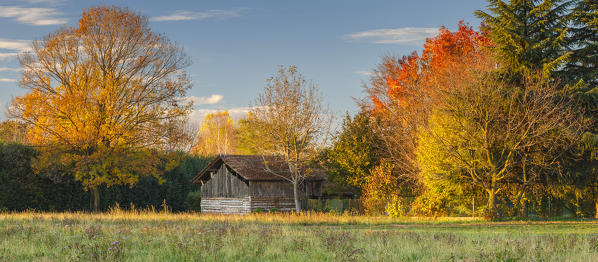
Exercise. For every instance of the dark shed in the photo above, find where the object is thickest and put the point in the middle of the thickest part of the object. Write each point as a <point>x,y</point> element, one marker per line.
<point>239,184</point>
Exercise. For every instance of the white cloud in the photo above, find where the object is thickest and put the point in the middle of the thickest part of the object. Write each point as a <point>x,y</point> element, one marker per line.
<point>9,69</point>
<point>18,45</point>
<point>7,80</point>
<point>364,73</point>
<point>235,113</point>
<point>14,47</point>
<point>7,55</point>
<point>394,36</point>
<point>50,2</point>
<point>33,15</point>
<point>182,15</point>
<point>202,100</point>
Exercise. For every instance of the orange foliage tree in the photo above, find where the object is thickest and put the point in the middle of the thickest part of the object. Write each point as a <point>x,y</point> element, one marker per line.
<point>403,90</point>
<point>102,96</point>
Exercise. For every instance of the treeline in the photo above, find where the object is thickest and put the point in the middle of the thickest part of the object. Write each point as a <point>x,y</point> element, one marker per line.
<point>22,188</point>
<point>499,122</point>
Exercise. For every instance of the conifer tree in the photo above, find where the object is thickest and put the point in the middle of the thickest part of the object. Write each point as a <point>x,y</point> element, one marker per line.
<point>529,35</point>
<point>581,73</point>
<point>583,64</point>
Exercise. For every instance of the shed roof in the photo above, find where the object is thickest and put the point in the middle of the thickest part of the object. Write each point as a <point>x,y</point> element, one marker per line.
<point>257,168</point>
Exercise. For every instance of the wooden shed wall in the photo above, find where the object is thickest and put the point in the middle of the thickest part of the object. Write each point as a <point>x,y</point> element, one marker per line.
<point>244,205</point>
<point>284,204</point>
<point>227,193</point>
<point>224,183</point>
<point>283,189</point>
<point>226,205</point>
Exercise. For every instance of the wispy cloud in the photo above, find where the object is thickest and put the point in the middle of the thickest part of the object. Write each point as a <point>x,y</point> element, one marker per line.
<point>202,100</point>
<point>182,15</point>
<point>9,69</point>
<point>364,73</point>
<point>8,55</point>
<point>7,80</point>
<point>18,45</point>
<point>394,36</point>
<point>49,2</point>
<point>235,113</point>
<point>33,15</point>
<point>10,48</point>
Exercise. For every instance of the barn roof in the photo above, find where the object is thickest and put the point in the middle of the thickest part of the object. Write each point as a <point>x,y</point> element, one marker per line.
<point>255,168</point>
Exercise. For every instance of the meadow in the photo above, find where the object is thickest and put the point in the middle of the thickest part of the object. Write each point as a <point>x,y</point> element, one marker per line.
<point>161,236</point>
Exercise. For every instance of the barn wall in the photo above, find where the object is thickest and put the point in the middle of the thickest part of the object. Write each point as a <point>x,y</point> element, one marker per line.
<point>283,189</point>
<point>226,205</point>
<point>284,204</point>
<point>270,189</point>
<point>313,188</point>
<point>224,184</point>
<point>245,205</point>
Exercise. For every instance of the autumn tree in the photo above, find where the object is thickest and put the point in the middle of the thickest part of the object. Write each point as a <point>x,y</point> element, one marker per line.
<point>102,96</point>
<point>291,122</point>
<point>13,132</point>
<point>403,90</point>
<point>490,133</point>
<point>249,141</point>
<point>380,190</point>
<point>216,135</point>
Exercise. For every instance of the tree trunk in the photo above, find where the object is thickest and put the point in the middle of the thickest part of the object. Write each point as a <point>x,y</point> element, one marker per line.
<point>491,204</point>
<point>491,212</point>
<point>296,195</point>
<point>95,195</point>
<point>522,203</point>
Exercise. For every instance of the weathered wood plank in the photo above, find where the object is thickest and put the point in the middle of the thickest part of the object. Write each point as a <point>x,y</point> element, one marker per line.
<point>224,183</point>
<point>223,205</point>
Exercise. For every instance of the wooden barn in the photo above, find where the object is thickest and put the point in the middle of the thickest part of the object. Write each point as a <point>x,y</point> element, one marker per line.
<point>240,184</point>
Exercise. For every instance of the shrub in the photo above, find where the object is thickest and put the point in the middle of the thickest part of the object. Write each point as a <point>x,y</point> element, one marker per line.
<point>193,201</point>
<point>394,208</point>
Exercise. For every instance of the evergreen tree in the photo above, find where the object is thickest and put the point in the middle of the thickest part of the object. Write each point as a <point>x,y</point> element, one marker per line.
<point>581,73</point>
<point>583,64</point>
<point>529,35</point>
<point>353,154</point>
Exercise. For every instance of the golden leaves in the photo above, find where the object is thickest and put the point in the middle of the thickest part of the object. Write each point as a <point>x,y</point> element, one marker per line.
<point>102,94</point>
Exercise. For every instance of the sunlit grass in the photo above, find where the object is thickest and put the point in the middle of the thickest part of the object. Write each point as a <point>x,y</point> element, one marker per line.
<point>158,235</point>
<point>305,218</point>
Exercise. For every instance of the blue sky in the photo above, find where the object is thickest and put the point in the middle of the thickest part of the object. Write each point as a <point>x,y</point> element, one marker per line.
<point>236,45</point>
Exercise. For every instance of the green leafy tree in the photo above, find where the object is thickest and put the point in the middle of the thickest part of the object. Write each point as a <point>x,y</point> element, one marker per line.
<point>484,131</point>
<point>353,154</point>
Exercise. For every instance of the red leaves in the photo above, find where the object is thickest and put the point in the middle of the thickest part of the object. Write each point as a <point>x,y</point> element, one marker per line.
<point>450,56</point>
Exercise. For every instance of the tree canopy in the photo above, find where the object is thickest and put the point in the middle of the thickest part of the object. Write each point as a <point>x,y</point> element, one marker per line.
<point>102,95</point>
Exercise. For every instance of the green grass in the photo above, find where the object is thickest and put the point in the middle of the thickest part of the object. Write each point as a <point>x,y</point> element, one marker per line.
<point>266,237</point>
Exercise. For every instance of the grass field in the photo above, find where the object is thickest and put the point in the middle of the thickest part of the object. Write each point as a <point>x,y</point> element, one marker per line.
<point>155,236</point>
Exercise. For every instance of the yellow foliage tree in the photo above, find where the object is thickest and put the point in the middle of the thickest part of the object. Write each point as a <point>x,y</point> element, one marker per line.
<point>216,135</point>
<point>102,96</point>
<point>489,134</point>
<point>380,192</point>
